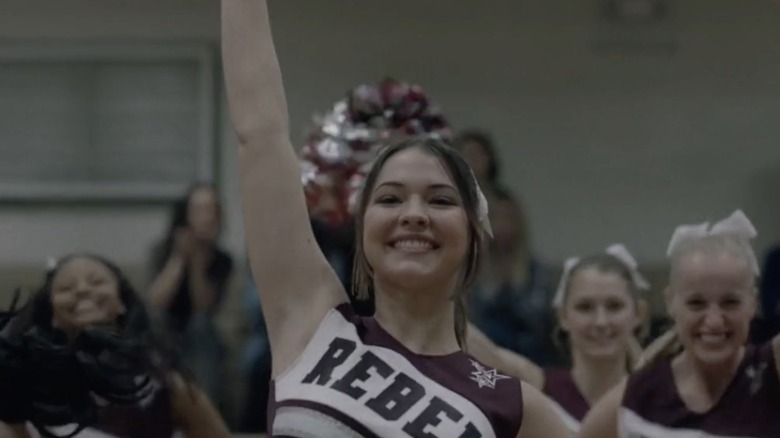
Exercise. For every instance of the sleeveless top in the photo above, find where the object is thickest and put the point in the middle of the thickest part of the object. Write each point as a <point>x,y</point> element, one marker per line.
<point>151,418</point>
<point>749,408</point>
<point>354,379</point>
<point>567,399</point>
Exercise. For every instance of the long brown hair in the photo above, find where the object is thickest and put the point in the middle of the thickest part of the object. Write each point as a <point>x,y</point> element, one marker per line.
<point>459,171</point>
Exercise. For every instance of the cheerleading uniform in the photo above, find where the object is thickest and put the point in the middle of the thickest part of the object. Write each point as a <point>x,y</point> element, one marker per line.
<point>749,408</point>
<point>354,379</point>
<point>567,399</point>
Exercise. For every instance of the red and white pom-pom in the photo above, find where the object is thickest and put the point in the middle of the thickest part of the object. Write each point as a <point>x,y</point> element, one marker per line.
<point>338,153</point>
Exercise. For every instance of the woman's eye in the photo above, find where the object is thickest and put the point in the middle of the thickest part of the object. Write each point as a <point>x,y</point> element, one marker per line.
<point>584,307</point>
<point>387,199</point>
<point>443,201</point>
<point>696,304</point>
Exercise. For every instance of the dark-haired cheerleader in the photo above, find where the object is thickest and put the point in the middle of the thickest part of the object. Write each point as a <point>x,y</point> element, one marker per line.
<point>80,357</point>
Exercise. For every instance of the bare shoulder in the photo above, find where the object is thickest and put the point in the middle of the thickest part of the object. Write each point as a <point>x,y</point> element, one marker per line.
<point>522,368</point>
<point>602,420</point>
<point>539,418</point>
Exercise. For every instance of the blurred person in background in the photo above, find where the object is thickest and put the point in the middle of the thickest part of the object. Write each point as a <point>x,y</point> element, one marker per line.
<point>701,378</point>
<point>190,278</point>
<point>479,150</point>
<point>510,300</point>
<point>255,361</point>
<point>600,315</point>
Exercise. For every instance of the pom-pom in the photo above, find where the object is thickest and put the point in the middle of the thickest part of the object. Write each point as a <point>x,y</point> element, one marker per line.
<point>344,142</point>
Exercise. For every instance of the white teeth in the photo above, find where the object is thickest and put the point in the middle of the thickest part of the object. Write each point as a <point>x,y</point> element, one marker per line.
<point>602,339</point>
<point>412,244</point>
<point>712,338</point>
<point>84,305</point>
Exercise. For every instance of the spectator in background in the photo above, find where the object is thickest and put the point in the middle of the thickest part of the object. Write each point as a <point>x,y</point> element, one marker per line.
<point>336,239</point>
<point>337,242</point>
<point>256,362</point>
<point>190,277</point>
<point>510,301</point>
<point>480,152</point>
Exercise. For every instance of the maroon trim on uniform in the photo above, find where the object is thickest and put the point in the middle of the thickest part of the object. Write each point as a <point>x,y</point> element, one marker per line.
<point>560,386</point>
<point>749,405</point>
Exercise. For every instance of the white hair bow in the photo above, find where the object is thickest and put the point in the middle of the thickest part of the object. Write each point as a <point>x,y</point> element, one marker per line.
<point>620,252</point>
<point>482,211</point>
<point>482,207</point>
<point>51,263</point>
<point>737,225</point>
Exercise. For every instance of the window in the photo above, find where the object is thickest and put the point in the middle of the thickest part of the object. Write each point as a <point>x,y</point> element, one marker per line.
<point>105,122</point>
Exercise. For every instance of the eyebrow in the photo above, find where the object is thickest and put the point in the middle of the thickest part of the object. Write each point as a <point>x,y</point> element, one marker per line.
<point>435,186</point>
<point>63,281</point>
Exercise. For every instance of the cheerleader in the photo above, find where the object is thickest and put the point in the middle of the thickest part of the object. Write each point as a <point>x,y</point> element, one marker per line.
<point>701,379</point>
<point>420,221</point>
<point>599,312</point>
<point>80,359</point>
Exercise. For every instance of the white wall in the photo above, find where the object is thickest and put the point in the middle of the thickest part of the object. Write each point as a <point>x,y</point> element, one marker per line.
<point>601,147</point>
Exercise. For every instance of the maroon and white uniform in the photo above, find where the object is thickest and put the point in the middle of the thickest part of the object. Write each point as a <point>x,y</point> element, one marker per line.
<point>749,408</point>
<point>569,402</point>
<point>355,380</point>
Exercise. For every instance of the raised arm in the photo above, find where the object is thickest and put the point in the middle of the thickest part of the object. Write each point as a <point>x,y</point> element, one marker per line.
<point>539,418</point>
<point>602,419</point>
<point>297,286</point>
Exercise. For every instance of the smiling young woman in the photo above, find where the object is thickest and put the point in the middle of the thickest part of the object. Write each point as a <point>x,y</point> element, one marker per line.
<point>80,359</point>
<point>419,225</point>
<point>700,378</point>
<point>599,312</point>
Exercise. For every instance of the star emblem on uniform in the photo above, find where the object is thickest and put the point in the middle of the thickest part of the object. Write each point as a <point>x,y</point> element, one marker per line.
<point>756,376</point>
<point>485,376</point>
